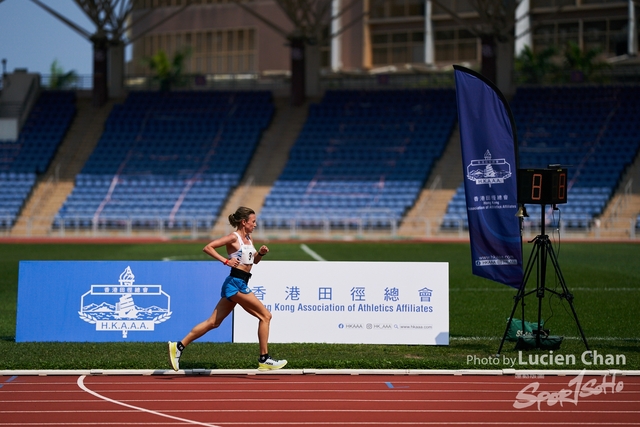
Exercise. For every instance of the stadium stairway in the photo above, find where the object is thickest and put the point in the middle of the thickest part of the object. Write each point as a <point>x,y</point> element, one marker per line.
<point>57,182</point>
<point>423,219</point>
<point>621,213</point>
<point>268,161</point>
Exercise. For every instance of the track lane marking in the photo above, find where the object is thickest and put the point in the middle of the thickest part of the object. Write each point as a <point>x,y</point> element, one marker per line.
<point>9,380</point>
<point>80,383</point>
<point>332,410</point>
<point>357,423</point>
<point>313,254</point>
<point>392,386</point>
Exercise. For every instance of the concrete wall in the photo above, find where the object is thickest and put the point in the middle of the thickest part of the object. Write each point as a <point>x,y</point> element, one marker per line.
<point>272,47</point>
<point>19,93</point>
<point>8,129</point>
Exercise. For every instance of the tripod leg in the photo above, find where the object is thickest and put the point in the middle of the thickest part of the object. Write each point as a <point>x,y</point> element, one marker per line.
<point>520,295</point>
<point>565,291</point>
<point>542,274</point>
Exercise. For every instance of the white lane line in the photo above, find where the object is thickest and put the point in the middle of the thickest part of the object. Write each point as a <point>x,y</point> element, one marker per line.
<point>186,258</point>
<point>632,339</point>
<point>313,254</point>
<point>514,290</point>
<point>332,410</point>
<point>98,395</point>
<point>366,423</point>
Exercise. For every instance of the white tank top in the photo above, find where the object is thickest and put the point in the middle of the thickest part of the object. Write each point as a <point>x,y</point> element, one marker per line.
<point>246,253</point>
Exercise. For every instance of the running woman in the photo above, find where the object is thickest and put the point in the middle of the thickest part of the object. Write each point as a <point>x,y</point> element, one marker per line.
<point>235,289</point>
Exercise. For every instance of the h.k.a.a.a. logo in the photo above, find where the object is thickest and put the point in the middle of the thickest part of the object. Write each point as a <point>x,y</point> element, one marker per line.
<point>488,170</point>
<point>125,307</point>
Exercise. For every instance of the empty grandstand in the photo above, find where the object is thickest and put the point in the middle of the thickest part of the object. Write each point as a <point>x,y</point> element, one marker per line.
<point>31,153</point>
<point>361,159</point>
<point>167,160</point>
<point>593,131</point>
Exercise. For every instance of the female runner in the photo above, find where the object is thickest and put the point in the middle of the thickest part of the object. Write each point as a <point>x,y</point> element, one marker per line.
<point>235,289</point>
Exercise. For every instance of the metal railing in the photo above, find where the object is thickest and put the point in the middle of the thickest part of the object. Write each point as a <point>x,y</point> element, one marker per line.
<point>281,82</point>
<point>352,228</point>
<point>82,82</point>
<point>424,203</point>
<point>327,227</point>
<point>621,202</point>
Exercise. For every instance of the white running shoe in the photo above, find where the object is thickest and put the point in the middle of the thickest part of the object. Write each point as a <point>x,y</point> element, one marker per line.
<point>271,364</point>
<point>174,355</point>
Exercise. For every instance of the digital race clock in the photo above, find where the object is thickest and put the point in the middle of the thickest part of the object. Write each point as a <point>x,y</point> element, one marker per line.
<point>542,186</point>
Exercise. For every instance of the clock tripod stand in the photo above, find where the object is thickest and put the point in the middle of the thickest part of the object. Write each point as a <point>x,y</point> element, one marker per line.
<point>540,254</point>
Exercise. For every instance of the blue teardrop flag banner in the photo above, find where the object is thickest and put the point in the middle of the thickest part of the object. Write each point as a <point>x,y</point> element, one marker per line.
<point>489,158</point>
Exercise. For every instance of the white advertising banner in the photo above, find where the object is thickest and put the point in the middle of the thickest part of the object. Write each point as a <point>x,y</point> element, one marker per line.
<point>350,302</point>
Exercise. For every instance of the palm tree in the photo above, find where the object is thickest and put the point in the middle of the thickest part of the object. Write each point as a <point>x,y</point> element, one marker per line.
<point>581,66</point>
<point>535,67</point>
<point>113,20</point>
<point>60,79</point>
<point>168,73</point>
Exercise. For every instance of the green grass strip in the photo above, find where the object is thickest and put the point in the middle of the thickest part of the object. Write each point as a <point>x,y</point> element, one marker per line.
<point>604,278</point>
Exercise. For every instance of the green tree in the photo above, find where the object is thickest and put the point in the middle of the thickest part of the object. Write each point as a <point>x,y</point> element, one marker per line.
<point>168,72</point>
<point>581,66</point>
<point>535,67</point>
<point>60,79</point>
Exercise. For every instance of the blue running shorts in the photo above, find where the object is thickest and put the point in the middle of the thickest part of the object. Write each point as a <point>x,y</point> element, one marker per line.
<point>233,285</point>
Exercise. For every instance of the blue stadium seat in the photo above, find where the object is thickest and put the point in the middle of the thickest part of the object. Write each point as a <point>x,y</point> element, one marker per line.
<point>32,152</point>
<point>591,130</point>
<point>163,158</point>
<point>353,149</point>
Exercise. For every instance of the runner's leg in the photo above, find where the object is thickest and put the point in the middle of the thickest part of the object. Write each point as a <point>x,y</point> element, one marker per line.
<point>252,305</point>
<point>221,311</point>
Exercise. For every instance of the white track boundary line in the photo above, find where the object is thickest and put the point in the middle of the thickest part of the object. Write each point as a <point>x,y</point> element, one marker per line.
<point>496,338</point>
<point>214,372</point>
<point>311,252</point>
<point>333,410</point>
<point>98,395</point>
<point>509,289</point>
<point>375,423</point>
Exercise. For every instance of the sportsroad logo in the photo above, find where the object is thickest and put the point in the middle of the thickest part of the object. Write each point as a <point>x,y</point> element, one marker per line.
<point>115,307</point>
<point>577,389</point>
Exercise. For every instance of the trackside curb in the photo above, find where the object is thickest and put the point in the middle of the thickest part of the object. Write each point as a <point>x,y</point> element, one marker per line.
<point>214,372</point>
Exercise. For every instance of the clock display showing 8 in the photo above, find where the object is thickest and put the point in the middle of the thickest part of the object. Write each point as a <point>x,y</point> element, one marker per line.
<point>542,186</point>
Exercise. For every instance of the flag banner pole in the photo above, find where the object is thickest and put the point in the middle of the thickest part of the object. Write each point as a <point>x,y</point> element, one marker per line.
<point>490,161</point>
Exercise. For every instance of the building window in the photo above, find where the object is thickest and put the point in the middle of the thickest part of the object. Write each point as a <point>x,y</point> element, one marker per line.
<point>583,2</point>
<point>397,48</point>
<point>555,4</point>
<point>325,48</point>
<point>222,52</point>
<point>156,4</point>
<point>595,35</point>
<point>608,36</point>
<point>618,37</point>
<point>568,32</point>
<point>456,45</point>
<point>458,6</point>
<point>397,8</point>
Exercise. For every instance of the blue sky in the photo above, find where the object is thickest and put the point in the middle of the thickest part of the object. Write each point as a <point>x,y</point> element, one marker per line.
<point>32,38</point>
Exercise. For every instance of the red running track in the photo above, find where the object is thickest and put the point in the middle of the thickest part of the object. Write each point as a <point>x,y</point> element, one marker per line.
<point>319,400</point>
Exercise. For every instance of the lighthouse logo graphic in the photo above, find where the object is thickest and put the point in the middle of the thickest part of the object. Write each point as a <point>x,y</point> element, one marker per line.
<point>119,307</point>
<point>488,170</point>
